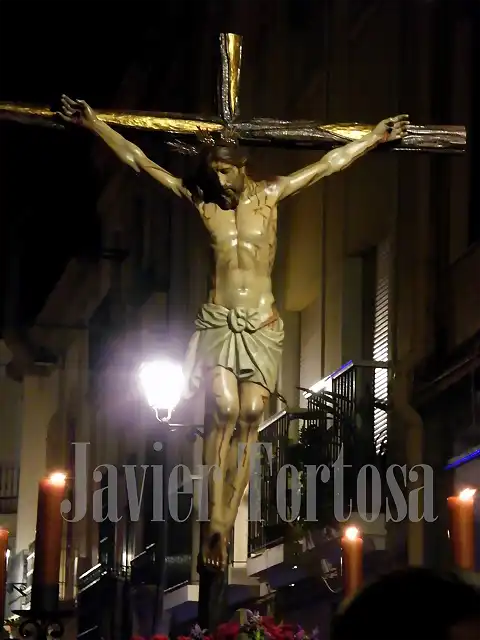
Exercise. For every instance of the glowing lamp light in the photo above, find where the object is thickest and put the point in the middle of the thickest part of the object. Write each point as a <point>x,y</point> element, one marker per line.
<point>352,533</point>
<point>162,383</point>
<point>467,494</point>
<point>57,479</point>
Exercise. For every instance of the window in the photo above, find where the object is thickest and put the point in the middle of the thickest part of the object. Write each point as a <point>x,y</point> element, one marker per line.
<point>381,347</point>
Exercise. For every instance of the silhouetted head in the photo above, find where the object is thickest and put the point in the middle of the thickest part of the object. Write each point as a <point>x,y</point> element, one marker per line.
<point>219,176</point>
<point>413,604</point>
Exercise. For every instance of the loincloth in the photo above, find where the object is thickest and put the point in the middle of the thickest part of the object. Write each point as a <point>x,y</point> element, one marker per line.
<point>238,340</point>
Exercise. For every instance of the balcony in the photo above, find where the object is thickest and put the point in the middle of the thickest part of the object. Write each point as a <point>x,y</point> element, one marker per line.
<point>19,582</point>
<point>180,542</point>
<point>164,570</point>
<point>338,432</point>
<point>103,603</point>
<point>18,597</point>
<point>146,568</point>
<point>9,477</point>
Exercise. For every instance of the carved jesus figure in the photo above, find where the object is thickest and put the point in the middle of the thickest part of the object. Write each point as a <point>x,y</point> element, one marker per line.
<point>237,345</point>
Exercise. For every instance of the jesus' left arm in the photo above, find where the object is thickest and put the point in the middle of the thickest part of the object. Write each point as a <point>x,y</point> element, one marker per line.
<point>341,158</point>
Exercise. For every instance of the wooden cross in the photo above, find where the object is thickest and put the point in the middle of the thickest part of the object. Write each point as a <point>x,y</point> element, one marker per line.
<point>258,131</point>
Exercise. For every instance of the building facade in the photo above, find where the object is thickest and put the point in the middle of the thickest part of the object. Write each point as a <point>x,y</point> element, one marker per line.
<point>374,279</point>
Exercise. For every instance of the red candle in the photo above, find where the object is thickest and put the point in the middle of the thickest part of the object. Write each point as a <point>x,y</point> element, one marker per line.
<point>462,529</point>
<point>48,543</point>
<point>352,561</point>
<point>3,570</point>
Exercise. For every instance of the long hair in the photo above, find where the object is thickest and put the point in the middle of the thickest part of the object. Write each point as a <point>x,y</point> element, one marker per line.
<point>202,181</point>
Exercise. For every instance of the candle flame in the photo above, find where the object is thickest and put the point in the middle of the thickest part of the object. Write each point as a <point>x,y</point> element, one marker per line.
<point>58,479</point>
<point>352,533</point>
<point>466,494</point>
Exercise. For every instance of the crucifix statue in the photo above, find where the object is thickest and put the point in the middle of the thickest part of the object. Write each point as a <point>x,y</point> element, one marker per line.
<point>237,346</point>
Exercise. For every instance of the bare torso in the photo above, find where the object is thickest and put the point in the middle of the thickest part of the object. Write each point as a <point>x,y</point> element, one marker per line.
<point>244,243</point>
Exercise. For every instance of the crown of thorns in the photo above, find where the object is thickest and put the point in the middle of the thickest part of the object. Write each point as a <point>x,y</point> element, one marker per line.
<point>226,137</point>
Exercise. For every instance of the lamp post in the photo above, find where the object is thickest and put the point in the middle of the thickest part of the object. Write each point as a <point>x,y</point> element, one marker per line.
<point>162,383</point>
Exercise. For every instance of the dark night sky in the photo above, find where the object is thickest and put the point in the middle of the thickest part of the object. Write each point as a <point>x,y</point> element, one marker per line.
<point>47,194</point>
<point>47,186</point>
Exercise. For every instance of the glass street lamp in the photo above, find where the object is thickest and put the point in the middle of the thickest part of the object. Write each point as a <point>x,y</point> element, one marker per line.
<point>162,382</point>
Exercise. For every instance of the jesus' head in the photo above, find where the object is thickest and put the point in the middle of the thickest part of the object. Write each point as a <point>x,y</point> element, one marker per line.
<point>220,172</point>
<point>224,169</point>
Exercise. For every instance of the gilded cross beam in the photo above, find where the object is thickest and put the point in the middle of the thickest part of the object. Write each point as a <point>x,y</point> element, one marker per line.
<point>257,131</point>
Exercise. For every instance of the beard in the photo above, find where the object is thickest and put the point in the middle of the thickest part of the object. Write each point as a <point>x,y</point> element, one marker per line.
<point>229,198</point>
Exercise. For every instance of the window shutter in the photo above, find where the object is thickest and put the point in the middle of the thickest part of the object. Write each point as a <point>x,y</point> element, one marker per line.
<point>381,347</point>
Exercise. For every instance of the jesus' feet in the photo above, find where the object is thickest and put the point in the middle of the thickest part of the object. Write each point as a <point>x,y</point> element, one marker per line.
<point>215,552</point>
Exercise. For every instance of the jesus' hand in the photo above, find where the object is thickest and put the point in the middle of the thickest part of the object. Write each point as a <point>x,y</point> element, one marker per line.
<point>392,128</point>
<point>77,112</point>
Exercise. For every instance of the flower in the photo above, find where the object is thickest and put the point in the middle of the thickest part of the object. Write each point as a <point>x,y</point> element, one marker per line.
<point>253,623</point>
<point>196,633</point>
<point>270,629</point>
<point>300,633</point>
<point>286,631</point>
<point>315,634</point>
<point>256,627</point>
<point>227,631</point>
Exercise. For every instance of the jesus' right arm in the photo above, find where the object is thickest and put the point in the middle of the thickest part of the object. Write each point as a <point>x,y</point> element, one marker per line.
<point>79,112</point>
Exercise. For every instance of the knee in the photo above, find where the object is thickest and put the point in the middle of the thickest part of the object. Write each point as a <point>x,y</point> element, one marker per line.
<point>251,414</point>
<point>226,410</point>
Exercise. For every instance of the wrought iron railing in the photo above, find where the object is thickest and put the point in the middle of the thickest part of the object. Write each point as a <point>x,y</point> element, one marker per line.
<point>97,601</point>
<point>92,577</point>
<point>270,528</point>
<point>146,568</point>
<point>16,582</point>
<point>179,534</point>
<point>337,432</point>
<point>168,563</point>
<point>22,597</point>
<point>342,438</point>
<point>19,581</point>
